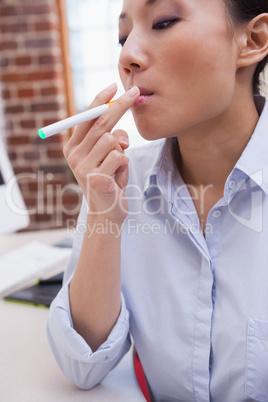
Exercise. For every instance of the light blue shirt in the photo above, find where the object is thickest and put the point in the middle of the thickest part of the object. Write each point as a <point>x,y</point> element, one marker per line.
<point>196,307</point>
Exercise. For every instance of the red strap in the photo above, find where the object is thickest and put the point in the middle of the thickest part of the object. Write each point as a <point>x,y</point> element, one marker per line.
<point>140,375</point>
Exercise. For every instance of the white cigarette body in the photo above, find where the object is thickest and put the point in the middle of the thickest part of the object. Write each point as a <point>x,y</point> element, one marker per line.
<point>72,121</point>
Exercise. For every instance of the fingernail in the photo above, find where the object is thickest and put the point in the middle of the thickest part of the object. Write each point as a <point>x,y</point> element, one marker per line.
<point>111,87</point>
<point>124,140</point>
<point>132,92</point>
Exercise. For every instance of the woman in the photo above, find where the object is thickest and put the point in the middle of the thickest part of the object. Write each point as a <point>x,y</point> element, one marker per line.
<point>186,240</point>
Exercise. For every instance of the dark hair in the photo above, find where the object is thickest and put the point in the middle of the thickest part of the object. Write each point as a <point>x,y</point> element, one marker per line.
<point>242,11</point>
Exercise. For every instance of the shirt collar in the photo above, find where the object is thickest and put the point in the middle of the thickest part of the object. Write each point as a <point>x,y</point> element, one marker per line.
<point>253,162</point>
<point>163,169</point>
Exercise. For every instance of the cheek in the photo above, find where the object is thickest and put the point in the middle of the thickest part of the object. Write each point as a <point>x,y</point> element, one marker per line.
<point>203,78</point>
<point>199,62</point>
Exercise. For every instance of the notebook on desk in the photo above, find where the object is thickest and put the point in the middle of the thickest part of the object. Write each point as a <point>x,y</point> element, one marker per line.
<point>22,267</point>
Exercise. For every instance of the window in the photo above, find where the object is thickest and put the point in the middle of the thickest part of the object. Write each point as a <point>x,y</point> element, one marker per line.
<point>93,28</point>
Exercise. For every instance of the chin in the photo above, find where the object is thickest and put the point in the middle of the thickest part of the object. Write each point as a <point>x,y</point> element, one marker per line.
<point>148,131</point>
<point>151,134</point>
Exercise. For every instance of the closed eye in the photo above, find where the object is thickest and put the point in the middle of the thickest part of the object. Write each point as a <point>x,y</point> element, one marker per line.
<point>164,24</point>
<point>122,41</point>
<point>158,26</point>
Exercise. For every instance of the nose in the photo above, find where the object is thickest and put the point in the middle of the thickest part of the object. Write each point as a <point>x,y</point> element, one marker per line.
<point>133,56</point>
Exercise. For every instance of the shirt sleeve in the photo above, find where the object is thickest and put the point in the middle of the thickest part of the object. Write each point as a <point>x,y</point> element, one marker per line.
<point>73,355</point>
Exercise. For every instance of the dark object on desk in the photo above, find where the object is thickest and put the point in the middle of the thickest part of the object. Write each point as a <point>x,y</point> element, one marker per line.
<point>40,294</point>
<point>66,242</point>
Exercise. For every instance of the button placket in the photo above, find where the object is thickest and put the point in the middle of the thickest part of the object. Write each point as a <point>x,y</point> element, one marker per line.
<point>232,184</point>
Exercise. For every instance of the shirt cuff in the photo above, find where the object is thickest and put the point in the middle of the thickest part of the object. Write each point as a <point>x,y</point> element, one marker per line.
<point>73,355</point>
<point>60,326</point>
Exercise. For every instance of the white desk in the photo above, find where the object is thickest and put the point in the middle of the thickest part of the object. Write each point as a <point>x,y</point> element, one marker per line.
<point>28,371</point>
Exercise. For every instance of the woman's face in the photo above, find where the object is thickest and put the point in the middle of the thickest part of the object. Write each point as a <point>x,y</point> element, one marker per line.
<point>182,55</point>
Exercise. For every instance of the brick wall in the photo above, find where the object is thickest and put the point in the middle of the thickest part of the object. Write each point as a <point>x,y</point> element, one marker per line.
<point>33,88</point>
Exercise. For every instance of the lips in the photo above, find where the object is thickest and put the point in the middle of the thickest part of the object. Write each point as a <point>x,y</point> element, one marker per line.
<point>145,95</point>
<point>145,92</point>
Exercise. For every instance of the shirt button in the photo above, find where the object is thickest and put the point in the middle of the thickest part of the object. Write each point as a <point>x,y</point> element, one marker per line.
<point>217,214</point>
<point>232,184</point>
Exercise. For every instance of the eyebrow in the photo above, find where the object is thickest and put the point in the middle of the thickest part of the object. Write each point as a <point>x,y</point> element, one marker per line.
<point>148,3</point>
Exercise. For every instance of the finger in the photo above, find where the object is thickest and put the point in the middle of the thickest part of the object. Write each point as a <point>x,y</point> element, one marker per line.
<point>107,121</point>
<point>106,144</point>
<point>104,96</point>
<point>80,131</point>
<point>113,162</point>
<point>122,138</point>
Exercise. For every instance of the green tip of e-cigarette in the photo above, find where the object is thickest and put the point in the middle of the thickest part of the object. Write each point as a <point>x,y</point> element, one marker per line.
<point>41,134</point>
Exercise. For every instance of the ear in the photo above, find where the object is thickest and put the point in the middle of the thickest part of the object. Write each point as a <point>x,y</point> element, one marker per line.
<point>253,41</point>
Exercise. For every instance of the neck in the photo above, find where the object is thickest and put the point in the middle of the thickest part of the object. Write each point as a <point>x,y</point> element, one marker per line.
<point>208,155</point>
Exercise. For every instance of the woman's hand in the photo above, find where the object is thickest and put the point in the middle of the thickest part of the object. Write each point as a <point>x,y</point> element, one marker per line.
<point>96,157</point>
